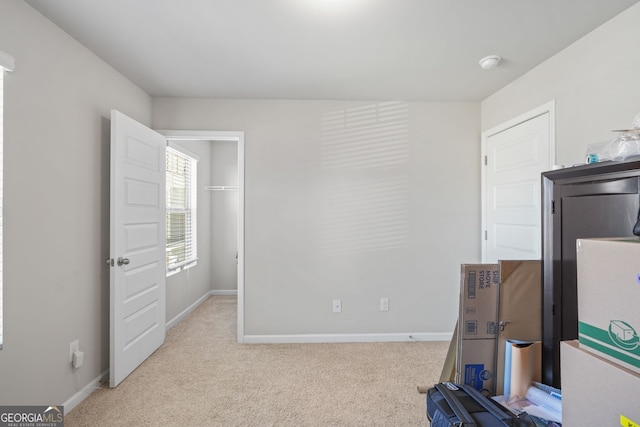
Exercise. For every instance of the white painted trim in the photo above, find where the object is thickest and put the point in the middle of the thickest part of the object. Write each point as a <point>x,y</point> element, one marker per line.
<point>202,135</point>
<point>85,391</point>
<point>346,338</point>
<point>224,292</point>
<point>549,107</point>
<point>181,316</point>
<point>241,215</point>
<point>238,136</point>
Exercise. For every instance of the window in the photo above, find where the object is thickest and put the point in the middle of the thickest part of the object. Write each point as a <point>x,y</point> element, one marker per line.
<point>6,64</point>
<point>182,249</point>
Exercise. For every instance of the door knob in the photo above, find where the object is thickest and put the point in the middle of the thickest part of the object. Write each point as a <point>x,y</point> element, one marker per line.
<point>122,261</point>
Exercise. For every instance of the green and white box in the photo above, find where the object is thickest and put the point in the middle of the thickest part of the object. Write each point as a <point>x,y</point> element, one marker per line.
<point>609,299</point>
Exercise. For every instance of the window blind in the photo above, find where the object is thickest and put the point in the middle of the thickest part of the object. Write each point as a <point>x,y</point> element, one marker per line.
<point>181,210</point>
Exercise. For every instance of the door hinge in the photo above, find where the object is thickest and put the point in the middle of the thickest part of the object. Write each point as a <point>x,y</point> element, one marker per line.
<point>485,234</point>
<point>553,206</point>
<point>485,160</point>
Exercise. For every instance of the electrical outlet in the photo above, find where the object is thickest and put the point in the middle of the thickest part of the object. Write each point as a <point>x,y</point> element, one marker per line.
<point>73,347</point>
<point>337,306</point>
<point>78,359</point>
<point>384,304</point>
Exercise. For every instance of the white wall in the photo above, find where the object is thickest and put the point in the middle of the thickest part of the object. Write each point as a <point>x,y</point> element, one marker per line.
<point>595,83</point>
<point>303,215</point>
<point>188,286</point>
<point>56,206</point>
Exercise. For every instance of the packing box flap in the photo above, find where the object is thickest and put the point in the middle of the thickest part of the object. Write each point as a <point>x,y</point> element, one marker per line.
<point>519,308</point>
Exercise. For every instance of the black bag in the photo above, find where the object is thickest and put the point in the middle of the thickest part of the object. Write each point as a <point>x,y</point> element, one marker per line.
<point>451,404</point>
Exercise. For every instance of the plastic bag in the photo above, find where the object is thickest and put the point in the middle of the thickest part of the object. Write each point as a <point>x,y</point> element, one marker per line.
<point>624,147</point>
<point>621,148</point>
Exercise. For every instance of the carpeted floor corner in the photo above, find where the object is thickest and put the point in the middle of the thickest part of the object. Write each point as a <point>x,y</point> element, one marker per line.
<point>202,377</point>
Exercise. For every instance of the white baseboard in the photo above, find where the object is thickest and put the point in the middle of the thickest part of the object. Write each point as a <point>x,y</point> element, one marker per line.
<point>84,392</point>
<point>346,338</point>
<point>173,322</point>
<point>224,292</point>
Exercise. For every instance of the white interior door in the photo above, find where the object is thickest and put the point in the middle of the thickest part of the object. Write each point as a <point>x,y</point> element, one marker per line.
<point>514,159</point>
<point>138,241</point>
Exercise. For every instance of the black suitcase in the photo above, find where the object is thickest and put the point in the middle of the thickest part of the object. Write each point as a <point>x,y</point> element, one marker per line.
<point>451,405</point>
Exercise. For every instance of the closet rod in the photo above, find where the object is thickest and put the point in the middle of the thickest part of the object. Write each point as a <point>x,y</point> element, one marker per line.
<point>221,187</point>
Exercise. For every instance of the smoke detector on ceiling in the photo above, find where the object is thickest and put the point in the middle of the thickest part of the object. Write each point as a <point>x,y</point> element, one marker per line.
<point>489,62</point>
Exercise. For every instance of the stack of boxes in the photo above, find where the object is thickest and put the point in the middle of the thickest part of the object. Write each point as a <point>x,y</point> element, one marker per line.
<point>497,302</point>
<point>601,371</point>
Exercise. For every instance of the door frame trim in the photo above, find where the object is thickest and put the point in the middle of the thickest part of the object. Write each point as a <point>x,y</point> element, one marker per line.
<point>549,107</point>
<point>238,137</point>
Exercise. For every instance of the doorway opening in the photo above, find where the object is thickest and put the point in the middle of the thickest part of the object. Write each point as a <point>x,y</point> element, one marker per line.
<point>226,192</point>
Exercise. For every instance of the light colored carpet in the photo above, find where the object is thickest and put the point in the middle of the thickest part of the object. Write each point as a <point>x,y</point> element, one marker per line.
<point>202,377</point>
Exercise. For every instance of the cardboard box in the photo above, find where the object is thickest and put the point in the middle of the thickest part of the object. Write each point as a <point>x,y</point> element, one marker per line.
<point>478,301</point>
<point>475,364</point>
<point>609,299</point>
<point>595,391</point>
<point>509,288</point>
<point>477,326</point>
